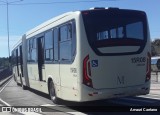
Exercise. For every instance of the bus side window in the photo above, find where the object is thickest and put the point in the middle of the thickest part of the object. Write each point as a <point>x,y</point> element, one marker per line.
<point>73,39</point>
<point>29,50</point>
<point>48,46</point>
<point>70,31</point>
<point>66,43</point>
<point>17,61</point>
<point>33,50</point>
<point>13,59</point>
<point>56,45</point>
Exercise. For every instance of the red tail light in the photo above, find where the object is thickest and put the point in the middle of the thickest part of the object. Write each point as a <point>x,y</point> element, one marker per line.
<point>87,72</point>
<point>148,70</point>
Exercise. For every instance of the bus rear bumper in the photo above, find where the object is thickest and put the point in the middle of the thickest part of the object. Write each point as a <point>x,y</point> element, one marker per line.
<point>98,94</point>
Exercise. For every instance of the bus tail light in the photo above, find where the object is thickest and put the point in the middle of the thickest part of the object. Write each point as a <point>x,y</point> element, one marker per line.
<point>148,70</point>
<point>87,72</point>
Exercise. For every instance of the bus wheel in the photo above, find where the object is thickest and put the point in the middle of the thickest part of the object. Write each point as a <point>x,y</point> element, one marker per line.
<point>52,93</point>
<point>23,87</point>
<point>14,77</point>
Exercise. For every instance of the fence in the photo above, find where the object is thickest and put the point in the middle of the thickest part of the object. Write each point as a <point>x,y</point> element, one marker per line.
<point>155,76</point>
<point>5,73</point>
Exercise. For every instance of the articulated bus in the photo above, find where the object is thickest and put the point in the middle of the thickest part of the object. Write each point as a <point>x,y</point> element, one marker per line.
<point>86,55</point>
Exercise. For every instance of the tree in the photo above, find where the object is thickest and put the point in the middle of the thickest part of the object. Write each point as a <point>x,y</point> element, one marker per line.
<point>4,62</point>
<point>155,47</point>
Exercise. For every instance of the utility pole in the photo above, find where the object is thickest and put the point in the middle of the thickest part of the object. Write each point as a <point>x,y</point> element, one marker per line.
<point>7,4</point>
<point>8,30</point>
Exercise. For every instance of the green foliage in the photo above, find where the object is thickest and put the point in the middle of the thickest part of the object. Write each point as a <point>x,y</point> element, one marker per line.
<point>155,47</point>
<point>4,62</point>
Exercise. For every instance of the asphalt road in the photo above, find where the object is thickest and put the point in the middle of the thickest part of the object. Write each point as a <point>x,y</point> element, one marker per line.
<point>14,95</point>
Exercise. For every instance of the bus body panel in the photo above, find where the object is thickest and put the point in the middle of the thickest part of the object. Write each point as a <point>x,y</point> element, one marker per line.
<point>25,71</point>
<point>57,72</point>
<point>114,76</point>
<point>33,76</point>
<point>52,71</point>
<point>17,62</point>
<point>88,94</point>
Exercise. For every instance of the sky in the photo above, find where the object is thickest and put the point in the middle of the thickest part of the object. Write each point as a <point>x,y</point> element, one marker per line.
<point>25,15</point>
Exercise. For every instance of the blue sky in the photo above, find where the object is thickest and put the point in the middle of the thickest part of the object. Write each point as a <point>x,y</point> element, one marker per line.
<point>27,14</point>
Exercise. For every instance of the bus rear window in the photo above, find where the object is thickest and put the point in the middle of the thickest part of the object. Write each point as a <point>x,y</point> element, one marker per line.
<point>133,30</point>
<point>109,28</point>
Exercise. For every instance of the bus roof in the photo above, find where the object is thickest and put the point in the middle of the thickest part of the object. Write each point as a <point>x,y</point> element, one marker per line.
<point>44,26</point>
<point>47,23</point>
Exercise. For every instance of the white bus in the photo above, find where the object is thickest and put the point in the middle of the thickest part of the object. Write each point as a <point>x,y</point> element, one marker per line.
<point>86,55</point>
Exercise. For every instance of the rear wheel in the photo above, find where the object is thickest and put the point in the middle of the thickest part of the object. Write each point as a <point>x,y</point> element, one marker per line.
<point>52,93</point>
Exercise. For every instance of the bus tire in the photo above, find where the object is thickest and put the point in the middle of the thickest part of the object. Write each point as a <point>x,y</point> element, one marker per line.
<point>14,77</point>
<point>52,93</point>
<point>17,83</point>
<point>23,87</point>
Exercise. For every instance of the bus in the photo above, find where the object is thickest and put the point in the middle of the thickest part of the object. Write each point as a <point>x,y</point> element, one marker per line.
<point>87,55</point>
